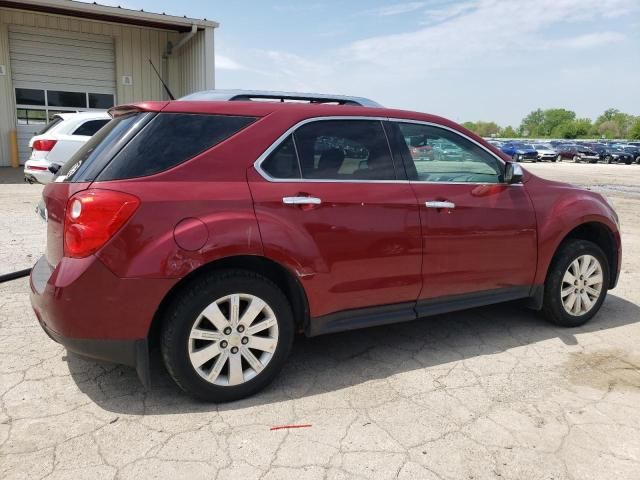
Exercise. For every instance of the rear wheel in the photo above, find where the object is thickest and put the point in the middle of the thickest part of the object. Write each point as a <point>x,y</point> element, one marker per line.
<point>576,159</point>
<point>576,284</point>
<point>227,336</point>
<point>608,159</point>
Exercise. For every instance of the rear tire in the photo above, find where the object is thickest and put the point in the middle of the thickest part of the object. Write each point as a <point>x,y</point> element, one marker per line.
<point>200,325</point>
<point>578,271</point>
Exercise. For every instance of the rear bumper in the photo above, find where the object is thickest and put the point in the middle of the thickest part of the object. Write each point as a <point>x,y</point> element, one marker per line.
<point>133,353</point>
<point>82,305</point>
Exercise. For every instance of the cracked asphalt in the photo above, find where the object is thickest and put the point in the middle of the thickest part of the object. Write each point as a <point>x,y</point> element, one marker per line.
<point>482,394</point>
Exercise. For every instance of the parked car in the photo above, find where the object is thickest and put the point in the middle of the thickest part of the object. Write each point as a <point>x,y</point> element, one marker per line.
<point>545,152</point>
<point>217,231</point>
<point>59,140</point>
<point>577,153</point>
<point>633,150</point>
<point>520,151</point>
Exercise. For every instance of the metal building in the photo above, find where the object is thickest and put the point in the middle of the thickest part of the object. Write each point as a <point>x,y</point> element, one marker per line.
<point>64,55</point>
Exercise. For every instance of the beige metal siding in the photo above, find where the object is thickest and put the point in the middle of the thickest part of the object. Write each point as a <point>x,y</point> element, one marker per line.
<point>56,59</point>
<point>188,70</point>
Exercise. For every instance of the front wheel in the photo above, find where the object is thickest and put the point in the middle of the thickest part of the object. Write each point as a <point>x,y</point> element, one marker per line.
<point>576,159</point>
<point>558,158</point>
<point>576,284</point>
<point>227,336</point>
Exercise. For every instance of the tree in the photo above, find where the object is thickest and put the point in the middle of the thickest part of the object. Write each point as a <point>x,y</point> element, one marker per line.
<point>509,132</point>
<point>609,129</point>
<point>541,123</point>
<point>634,131</point>
<point>609,114</point>
<point>484,129</point>
<point>555,117</point>
<point>532,123</point>
<point>469,126</point>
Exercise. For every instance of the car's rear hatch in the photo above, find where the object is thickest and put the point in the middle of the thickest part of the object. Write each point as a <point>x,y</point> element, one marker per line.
<point>140,141</point>
<point>80,171</point>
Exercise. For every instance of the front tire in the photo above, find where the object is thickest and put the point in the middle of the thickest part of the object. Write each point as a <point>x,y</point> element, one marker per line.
<point>227,335</point>
<point>576,284</point>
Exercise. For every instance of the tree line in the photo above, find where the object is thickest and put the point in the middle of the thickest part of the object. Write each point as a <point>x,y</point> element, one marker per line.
<point>561,123</point>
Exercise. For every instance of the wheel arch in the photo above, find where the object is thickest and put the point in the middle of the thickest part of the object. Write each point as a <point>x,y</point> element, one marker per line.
<point>274,271</point>
<point>600,234</point>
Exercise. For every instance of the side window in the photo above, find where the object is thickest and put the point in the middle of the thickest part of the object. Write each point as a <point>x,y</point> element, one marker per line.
<point>344,150</point>
<point>283,161</point>
<point>170,139</point>
<point>91,127</point>
<point>436,154</point>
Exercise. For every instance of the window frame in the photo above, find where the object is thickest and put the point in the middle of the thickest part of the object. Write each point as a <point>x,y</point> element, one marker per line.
<point>398,168</point>
<point>396,156</point>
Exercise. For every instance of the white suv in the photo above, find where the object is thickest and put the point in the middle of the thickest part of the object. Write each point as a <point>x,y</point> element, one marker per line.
<point>59,140</point>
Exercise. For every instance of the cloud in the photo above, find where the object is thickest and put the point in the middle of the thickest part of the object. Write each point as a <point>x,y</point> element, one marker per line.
<point>591,40</point>
<point>225,63</point>
<point>397,9</point>
<point>461,63</point>
<point>447,12</point>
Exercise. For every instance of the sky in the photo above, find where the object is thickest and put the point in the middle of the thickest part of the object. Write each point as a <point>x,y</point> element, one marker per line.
<point>467,60</point>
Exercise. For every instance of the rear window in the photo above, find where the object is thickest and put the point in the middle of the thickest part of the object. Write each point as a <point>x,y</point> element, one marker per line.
<point>170,139</point>
<point>55,121</point>
<point>92,157</point>
<point>89,128</point>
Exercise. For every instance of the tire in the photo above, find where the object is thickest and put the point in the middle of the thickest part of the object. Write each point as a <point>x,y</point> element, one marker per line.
<point>608,159</point>
<point>638,159</point>
<point>186,313</point>
<point>554,308</point>
<point>558,158</point>
<point>576,159</point>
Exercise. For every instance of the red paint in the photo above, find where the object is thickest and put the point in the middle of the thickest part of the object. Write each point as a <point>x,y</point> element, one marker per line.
<point>367,244</point>
<point>191,234</point>
<point>289,426</point>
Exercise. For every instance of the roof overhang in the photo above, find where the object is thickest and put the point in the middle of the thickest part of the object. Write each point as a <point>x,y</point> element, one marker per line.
<point>94,11</point>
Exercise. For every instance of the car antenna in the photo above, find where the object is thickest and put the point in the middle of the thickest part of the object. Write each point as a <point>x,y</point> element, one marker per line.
<point>161,81</point>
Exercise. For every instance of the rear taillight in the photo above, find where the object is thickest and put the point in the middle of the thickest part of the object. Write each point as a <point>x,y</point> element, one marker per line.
<point>92,217</point>
<point>44,145</point>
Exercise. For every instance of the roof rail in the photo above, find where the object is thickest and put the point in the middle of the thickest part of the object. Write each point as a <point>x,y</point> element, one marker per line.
<point>266,95</point>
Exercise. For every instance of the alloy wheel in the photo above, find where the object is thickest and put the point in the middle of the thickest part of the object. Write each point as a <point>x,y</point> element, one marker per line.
<point>233,339</point>
<point>581,285</point>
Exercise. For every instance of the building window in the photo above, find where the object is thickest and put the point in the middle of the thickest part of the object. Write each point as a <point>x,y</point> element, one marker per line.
<point>39,106</point>
<point>66,99</point>
<point>100,100</point>
<point>29,96</point>
<point>31,116</point>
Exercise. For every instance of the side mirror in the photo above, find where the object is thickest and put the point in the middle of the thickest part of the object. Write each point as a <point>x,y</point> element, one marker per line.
<point>513,173</point>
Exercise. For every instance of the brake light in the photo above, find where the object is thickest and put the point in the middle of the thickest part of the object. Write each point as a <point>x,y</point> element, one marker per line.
<point>92,217</point>
<point>44,145</point>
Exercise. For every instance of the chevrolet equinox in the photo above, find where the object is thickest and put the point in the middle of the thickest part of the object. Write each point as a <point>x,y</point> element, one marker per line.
<point>220,225</point>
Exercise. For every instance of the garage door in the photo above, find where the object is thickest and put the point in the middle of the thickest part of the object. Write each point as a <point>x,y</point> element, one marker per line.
<point>58,71</point>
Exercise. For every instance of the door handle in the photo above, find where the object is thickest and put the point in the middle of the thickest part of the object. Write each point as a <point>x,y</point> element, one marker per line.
<point>301,200</point>
<point>449,205</point>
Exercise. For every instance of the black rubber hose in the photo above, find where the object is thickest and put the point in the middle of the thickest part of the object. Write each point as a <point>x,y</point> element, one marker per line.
<point>14,275</point>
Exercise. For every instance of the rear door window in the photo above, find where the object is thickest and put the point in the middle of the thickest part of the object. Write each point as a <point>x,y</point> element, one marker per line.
<point>170,139</point>
<point>344,150</point>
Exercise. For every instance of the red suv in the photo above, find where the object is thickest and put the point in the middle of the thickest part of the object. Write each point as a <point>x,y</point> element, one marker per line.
<point>220,229</point>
